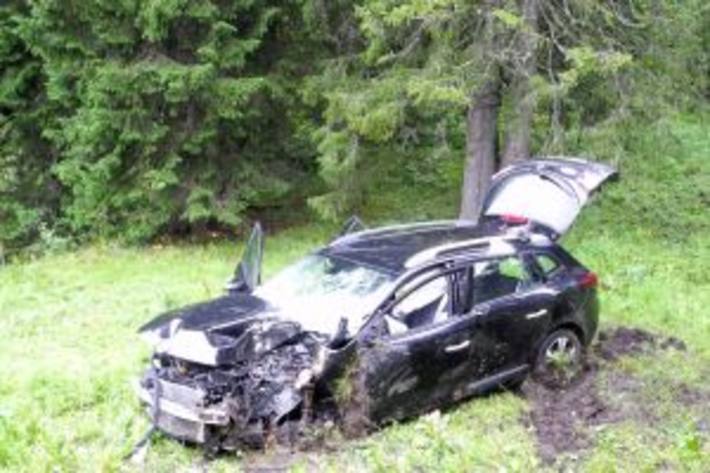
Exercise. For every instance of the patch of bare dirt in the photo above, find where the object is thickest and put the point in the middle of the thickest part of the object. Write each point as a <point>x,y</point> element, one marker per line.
<point>273,460</point>
<point>623,341</point>
<point>565,420</point>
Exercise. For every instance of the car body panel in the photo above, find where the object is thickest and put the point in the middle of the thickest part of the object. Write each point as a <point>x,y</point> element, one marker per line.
<point>390,248</point>
<point>420,368</point>
<point>509,326</point>
<point>226,310</point>
<point>550,192</point>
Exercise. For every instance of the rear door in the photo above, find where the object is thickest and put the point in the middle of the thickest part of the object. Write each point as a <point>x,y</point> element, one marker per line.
<point>513,311</point>
<point>548,192</point>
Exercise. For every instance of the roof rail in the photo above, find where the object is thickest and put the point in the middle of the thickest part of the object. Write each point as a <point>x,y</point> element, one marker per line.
<point>388,230</point>
<point>495,244</point>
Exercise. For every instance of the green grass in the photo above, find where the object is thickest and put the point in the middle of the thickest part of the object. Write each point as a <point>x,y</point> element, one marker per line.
<point>69,348</point>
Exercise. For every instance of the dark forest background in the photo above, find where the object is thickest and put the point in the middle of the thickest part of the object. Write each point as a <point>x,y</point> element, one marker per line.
<point>139,119</point>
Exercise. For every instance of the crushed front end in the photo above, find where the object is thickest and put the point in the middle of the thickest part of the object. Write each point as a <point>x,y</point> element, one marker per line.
<point>227,390</point>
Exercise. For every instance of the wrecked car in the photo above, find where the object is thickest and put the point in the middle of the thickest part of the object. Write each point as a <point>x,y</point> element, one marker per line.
<point>384,324</point>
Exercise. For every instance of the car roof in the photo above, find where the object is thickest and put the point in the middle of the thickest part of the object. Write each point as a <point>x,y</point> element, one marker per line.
<point>394,249</point>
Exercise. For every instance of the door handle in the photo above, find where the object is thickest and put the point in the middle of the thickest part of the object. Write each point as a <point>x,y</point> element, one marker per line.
<point>481,310</point>
<point>458,347</point>
<point>535,315</point>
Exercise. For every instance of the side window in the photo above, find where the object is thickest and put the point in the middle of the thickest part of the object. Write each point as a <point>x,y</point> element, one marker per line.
<point>512,269</point>
<point>427,304</point>
<point>547,264</point>
<point>499,277</point>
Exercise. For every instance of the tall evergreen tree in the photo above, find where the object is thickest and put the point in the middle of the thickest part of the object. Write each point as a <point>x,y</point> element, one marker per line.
<point>500,66</point>
<point>138,117</point>
<point>167,114</point>
<point>29,195</point>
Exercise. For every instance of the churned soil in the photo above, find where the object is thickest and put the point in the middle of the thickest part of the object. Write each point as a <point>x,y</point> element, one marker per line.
<point>565,419</point>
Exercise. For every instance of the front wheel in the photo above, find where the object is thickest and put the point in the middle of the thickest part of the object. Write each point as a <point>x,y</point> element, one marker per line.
<point>559,359</point>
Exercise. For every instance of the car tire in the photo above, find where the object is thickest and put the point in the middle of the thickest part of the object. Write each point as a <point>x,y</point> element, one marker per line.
<point>559,359</point>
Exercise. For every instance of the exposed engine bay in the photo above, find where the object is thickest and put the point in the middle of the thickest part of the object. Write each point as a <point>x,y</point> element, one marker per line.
<point>252,385</point>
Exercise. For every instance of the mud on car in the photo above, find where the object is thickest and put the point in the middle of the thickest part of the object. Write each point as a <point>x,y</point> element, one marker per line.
<point>387,322</point>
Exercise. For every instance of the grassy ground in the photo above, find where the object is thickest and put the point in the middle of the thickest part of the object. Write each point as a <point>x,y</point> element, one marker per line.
<point>69,348</point>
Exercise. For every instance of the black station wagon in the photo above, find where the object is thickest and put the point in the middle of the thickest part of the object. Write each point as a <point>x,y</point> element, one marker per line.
<point>387,322</point>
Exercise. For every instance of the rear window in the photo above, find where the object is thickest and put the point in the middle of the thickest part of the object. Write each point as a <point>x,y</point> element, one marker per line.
<point>547,264</point>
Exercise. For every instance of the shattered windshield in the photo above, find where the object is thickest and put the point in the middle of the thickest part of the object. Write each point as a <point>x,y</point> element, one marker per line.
<point>319,290</point>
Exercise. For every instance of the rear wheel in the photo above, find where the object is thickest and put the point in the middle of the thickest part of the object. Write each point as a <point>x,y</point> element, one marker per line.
<point>559,359</point>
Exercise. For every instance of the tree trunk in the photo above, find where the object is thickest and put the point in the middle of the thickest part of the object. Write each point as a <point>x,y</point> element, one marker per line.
<point>481,147</point>
<point>517,147</point>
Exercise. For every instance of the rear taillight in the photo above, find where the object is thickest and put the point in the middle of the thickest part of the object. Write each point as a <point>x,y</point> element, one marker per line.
<point>512,219</point>
<point>589,280</point>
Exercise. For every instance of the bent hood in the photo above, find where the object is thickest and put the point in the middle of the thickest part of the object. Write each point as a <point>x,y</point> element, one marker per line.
<point>221,332</point>
<point>215,349</point>
<point>224,312</point>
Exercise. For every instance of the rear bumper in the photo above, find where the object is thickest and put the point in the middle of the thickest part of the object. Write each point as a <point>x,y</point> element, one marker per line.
<point>179,410</point>
<point>590,322</point>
